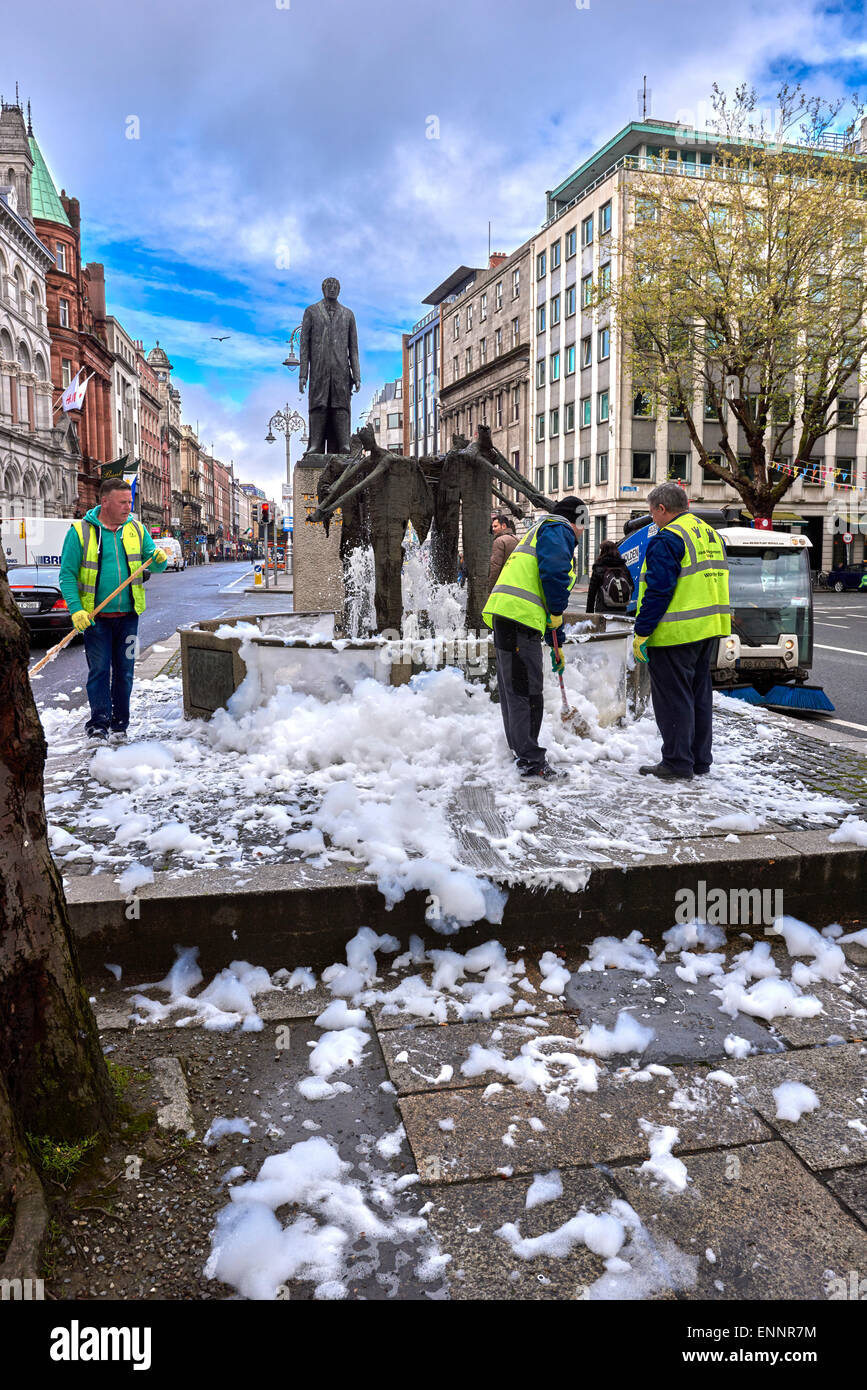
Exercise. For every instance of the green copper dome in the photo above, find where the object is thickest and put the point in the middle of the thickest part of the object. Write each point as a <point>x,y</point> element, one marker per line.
<point>44,196</point>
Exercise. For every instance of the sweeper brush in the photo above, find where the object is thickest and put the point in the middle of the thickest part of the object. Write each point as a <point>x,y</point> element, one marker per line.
<point>795,697</point>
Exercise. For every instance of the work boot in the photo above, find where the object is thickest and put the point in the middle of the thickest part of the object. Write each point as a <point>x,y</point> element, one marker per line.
<point>96,732</point>
<point>545,772</point>
<point>665,773</point>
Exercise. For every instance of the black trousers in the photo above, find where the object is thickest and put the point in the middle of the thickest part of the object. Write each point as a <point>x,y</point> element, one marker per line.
<point>682,694</point>
<point>519,680</point>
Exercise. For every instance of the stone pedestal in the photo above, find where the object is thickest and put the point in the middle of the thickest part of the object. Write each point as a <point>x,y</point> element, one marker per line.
<point>317,567</point>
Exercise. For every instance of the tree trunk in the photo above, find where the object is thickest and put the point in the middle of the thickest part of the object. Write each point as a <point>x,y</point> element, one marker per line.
<point>54,1078</point>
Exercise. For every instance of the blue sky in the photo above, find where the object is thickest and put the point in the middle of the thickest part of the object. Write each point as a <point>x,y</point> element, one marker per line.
<point>280,141</point>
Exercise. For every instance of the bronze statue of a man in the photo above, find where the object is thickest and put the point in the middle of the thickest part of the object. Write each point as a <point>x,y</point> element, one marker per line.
<point>329,353</point>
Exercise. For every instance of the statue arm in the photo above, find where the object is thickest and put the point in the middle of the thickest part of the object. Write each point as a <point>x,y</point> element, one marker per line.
<point>304,350</point>
<point>353,352</point>
<point>328,506</point>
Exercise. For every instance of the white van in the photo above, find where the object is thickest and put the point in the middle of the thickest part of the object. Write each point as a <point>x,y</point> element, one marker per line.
<point>173,549</point>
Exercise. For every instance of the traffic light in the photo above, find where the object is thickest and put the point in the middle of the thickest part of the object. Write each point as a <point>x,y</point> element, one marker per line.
<point>254,513</point>
<point>266,513</point>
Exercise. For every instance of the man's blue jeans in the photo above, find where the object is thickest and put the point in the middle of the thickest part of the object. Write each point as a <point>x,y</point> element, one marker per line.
<point>110,647</point>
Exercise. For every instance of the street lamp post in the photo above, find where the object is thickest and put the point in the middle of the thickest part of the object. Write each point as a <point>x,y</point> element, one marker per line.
<point>288,422</point>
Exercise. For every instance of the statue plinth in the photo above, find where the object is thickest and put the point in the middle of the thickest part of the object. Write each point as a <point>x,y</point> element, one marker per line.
<point>317,567</point>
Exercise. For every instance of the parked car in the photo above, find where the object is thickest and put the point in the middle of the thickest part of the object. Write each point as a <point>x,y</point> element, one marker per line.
<point>173,549</point>
<point>847,577</point>
<point>36,590</point>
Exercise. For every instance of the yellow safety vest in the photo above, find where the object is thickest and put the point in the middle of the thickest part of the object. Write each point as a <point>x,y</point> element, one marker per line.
<point>131,538</point>
<point>518,592</point>
<point>699,606</point>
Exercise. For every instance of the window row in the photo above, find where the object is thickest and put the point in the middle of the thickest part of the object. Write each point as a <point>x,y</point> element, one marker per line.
<point>550,312</point>
<point>585,417</point>
<point>483,304</point>
<point>498,349</point>
<point>550,258</point>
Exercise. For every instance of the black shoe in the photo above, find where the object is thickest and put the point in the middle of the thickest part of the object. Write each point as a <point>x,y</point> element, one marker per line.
<point>665,773</point>
<point>97,733</point>
<point>545,772</point>
<point>701,771</point>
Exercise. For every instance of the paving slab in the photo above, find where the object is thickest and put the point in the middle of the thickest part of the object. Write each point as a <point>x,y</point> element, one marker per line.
<point>772,1227</point>
<point>850,1185</point>
<point>844,1016</point>
<point>686,1018</point>
<point>387,1015</point>
<point>601,1127</point>
<point>417,1056</point>
<point>466,1216</point>
<point>823,1138</point>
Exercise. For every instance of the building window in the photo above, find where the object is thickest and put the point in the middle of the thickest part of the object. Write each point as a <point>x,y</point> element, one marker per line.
<point>569,422</point>
<point>541,265</point>
<point>844,470</point>
<point>456,326</point>
<point>65,372</point>
<point>516,282</point>
<point>469,317</point>
<point>469,360</point>
<point>845,413</point>
<point>678,468</point>
<point>586,351</point>
<point>516,460</point>
<point>61,255</point>
<point>587,230</point>
<point>540,479</point>
<point>498,342</point>
<point>570,301</point>
<point>454,369</point>
<point>570,359</point>
<point>571,239</point>
<point>516,332</point>
<point>555,309</point>
<point>604,219</point>
<point>587,291</point>
<point>604,343</point>
<point>605,279</point>
<point>64,313</point>
<point>540,372</point>
<point>499,414</point>
<point>602,468</point>
<point>516,403</point>
<point>555,255</point>
<point>555,366</point>
<point>540,426</point>
<point>584,472</point>
<point>553,477</point>
<point>483,350</point>
<point>569,474</point>
<point>498,295</point>
<point>483,308</point>
<point>586,412</point>
<point>394,422</point>
<point>642,467</point>
<point>555,423</point>
<point>706,474</point>
<point>602,414</point>
<point>642,404</point>
<point>540,319</point>
<point>470,421</point>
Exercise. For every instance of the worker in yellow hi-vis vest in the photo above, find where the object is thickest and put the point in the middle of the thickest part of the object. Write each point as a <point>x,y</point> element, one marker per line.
<point>683,610</point>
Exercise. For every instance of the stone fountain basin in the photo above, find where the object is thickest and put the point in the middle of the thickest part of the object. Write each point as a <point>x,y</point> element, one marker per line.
<point>300,649</point>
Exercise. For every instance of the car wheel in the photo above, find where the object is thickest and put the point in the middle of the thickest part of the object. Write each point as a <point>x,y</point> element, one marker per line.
<point>838,587</point>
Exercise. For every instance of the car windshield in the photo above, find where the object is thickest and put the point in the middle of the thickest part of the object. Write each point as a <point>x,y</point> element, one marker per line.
<point>30,576</point>
<point>770,595</point>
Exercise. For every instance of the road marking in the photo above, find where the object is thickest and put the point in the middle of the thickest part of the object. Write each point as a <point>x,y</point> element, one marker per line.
<point>239,580</point>
<point>819,623</point>
<point>850,651</point>
<point>847,722</point>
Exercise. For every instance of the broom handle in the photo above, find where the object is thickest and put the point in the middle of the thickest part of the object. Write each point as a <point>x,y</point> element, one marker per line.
<point>49,656</point>
<point>566,706</point>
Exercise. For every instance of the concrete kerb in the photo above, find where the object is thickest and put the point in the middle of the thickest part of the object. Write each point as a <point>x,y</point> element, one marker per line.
<point>292,914</point>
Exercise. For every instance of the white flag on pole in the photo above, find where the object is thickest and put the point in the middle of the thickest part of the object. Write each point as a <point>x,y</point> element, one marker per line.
<point>73,396</point>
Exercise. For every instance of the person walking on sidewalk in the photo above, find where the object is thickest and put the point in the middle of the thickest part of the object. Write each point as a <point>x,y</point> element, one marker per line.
<point>529,599</point>
<point>505,540</point>
<point>99,553</point>
<point>683,610</point>
<point>610,587</point>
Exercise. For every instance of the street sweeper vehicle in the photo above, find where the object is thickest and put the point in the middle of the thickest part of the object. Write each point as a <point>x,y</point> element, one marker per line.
<point>769,655</point>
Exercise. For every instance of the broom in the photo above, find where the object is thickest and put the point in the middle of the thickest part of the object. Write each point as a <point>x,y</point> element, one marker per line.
<point>568,714</point>
<point>49,656</point>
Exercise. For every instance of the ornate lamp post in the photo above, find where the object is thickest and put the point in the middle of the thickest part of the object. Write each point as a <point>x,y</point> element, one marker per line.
<point>288,422</point>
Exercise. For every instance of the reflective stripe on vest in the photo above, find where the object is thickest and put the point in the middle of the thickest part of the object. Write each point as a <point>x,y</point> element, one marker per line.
<point>132,539</point>
<point>699,607</point>
<point>518,593</point>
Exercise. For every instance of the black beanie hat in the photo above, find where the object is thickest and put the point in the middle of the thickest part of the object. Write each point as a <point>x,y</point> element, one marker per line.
<point>573,509</point>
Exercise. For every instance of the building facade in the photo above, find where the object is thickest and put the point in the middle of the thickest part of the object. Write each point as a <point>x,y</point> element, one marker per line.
<point>486,357</point>
<point>153,460</point>
<point>38,446</point>
<point>192,494</point>
<point>385,415</point>
<point>170,439</point>
<point>591,434</point>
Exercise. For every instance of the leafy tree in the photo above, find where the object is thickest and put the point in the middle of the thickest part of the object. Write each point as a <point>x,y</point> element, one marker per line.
<point>741,293</point>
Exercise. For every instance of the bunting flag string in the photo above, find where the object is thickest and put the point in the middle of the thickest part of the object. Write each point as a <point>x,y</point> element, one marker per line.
<point>819,472</point>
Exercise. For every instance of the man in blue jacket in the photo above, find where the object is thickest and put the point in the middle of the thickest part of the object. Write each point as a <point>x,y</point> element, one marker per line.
<point>529,599</point>
<point>99,553</point>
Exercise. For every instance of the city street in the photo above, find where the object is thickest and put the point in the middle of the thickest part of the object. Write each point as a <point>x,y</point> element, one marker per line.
<point>203,591</point>
<point>840,657</point>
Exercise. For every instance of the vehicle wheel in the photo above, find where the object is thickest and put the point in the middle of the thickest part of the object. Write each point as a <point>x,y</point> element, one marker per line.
<point>822,578</point>
<point>838,587</point>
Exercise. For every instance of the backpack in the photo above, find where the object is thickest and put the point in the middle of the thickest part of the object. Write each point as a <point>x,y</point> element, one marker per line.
<point>616,589</point>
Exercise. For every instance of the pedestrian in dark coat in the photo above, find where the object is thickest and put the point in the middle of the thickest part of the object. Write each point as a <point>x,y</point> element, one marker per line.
<point>611,585</point>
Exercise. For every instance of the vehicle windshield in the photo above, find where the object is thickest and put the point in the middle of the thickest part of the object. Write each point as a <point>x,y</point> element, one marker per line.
<point>26,576</point>
<point>770,595</point>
